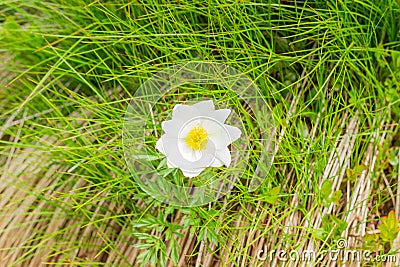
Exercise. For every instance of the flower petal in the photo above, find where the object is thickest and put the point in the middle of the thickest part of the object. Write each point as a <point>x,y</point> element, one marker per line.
<point>172,127</point>
<point>187,152</point>
<point>211,126</point>
<point>220,134</point>
<point>192,173</point>
<point>160,145</point>
<point>219,139</point>
<point>170,164</point>
<point>221,114</point>
<point>205,107</point>
<point>216,163</point>
<point>185,129</point>
<point>224,155</point>
<point>233,132</point>
<point>184,112</point>
<point>179,155</point>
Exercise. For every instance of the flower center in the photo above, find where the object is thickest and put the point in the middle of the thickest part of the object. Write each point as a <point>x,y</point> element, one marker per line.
<point>197,138</point>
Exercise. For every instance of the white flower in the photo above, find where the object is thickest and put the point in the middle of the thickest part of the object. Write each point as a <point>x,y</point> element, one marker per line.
<point>197,138</point>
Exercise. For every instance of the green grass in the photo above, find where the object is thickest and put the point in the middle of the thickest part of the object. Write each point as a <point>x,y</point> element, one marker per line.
<point>73,66</point>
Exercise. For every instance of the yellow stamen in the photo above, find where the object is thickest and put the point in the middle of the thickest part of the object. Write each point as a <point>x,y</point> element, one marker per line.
<point>197,138</point>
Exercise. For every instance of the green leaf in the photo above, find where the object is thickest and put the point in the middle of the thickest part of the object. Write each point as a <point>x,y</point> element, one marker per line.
<point>333,225</point>
<point>358,169</point>
<point>169,210</point>
<point>175,248</point>
<point>372,242</point>
<point>336,196</point>
<point>393,157</point>
<point>154,258</point>
<point>302,129</point>
<point>163,259</point>
<point>352,174</point>
<point>143,245</point>
<point>389,227</point>
<point>11,25</point>
<point>326,189</point>
<point>162,164</point>
<point>319,233</point>
<point>272,196</point>
<point>142,236</point>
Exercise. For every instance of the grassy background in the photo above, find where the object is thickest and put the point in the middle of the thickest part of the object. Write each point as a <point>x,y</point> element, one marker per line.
<point>329,69</point>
